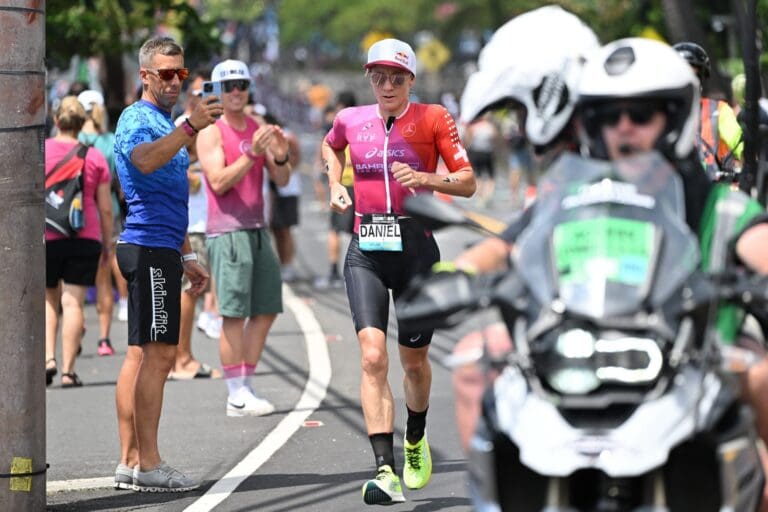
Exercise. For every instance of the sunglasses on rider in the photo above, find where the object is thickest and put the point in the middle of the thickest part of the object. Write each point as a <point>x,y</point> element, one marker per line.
<point>378,79</point>
<point>638,113</point>
<point>168,74</point>
<point>231,85</point>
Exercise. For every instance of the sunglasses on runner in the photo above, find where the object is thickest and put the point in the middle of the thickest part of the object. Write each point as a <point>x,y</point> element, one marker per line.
<point>231,85</point>
<point>168,74</point>
<point>396,79</point>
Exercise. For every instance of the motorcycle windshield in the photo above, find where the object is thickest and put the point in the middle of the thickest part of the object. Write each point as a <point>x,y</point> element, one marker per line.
<point>607,237</point>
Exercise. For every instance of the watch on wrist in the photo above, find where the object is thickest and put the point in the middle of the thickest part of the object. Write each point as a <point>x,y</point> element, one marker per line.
<point>283,161</point>
<point>188,257</point>
<point>188,128</point>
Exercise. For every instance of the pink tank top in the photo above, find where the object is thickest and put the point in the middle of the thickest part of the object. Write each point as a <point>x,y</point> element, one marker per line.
<point>242,206</point>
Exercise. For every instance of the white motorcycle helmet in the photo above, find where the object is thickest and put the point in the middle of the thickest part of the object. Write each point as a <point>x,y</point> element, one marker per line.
<point>533,59</point>
<point>644,69</point>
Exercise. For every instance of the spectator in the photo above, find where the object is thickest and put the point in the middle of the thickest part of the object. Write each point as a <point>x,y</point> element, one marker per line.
<point>72,262</point>
<point>186,366</point>
<point>235,154</point>
<point>153,251</point>
<point>96,134</point>
<point>480,140</point>
<point>285,207</point>
<point>340,222</point>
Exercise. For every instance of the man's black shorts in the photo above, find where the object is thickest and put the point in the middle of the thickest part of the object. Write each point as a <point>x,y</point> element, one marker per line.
<point>154,292</point>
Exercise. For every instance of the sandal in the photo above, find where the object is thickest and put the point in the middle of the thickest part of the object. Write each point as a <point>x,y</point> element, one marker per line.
<point>75,381</point>
<point>50,372</point>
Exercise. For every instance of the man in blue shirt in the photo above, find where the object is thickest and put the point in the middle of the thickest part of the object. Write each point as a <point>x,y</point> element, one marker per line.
<point>153,251</point>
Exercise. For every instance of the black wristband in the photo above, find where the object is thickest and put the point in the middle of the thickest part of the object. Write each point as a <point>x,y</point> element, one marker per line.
<point>283,161</point>
<point>186,120</point>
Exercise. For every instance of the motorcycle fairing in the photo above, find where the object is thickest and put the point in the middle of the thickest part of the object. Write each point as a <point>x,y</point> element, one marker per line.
<point>607,238</point>
<point>551,446</point>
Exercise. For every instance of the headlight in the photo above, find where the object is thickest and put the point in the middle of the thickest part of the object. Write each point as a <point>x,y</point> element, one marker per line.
<point>580,362</point>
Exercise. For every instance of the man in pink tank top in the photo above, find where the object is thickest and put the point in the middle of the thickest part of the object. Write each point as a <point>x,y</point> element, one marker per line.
<point>235,153</point>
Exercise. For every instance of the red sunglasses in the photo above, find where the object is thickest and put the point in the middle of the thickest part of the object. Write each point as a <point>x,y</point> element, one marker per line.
<point>168,74</point>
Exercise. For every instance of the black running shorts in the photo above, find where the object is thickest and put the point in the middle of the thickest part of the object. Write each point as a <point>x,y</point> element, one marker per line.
<point>154,292</point>
<point>369,275</point>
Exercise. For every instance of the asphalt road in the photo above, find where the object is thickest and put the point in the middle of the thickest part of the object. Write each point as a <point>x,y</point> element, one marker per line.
<point>312,454</point>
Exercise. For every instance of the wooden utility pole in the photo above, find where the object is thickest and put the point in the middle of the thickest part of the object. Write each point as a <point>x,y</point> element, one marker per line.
<point>22,256</point>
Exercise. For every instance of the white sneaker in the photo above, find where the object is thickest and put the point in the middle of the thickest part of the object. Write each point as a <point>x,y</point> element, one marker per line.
<point>246,404</point>
<point>203,321</point>
<point>122,310</point>
<point>213,330</point>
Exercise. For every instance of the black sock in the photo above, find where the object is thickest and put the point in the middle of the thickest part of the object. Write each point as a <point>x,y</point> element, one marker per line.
<point>334,270</point>
<point>414,427</point>
<point>383,449</point>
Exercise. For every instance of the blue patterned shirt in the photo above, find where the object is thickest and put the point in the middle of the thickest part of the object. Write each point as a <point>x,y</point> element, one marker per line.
<point>157,202</point>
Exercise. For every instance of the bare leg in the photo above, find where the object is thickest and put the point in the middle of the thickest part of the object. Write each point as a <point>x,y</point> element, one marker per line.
<point>470,380</point>
<point>105,299</point>
<point>52,304</point>
<point>418,377</point>
<point>375,392</point>
<point>231,349</point>
<point>124,392</point>
<point>72,299</point>
<point>156,362</point>
<point>256,330</point>
<point>284,244</point>
<point>185,361</point>
<point>333,247</point>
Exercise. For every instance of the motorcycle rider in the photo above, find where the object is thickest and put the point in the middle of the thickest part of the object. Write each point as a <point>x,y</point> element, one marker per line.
<point>541,86</point>
<point>637,95</point>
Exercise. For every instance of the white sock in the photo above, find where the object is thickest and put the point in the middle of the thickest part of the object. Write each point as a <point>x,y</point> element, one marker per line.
<point>234,386</point>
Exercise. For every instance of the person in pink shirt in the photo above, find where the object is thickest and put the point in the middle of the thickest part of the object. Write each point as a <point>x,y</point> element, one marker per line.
<point>394,146</point>
<point>236,155</point>
<point>71,262</point>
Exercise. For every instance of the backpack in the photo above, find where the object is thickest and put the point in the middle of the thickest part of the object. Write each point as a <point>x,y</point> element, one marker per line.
<point>64,193</point>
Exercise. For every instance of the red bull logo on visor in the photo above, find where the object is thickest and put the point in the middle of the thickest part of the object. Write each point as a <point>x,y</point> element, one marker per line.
<point>401,57</point>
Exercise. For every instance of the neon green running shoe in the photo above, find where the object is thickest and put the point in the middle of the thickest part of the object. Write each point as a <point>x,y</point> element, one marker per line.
<point>384,489</point>
<point>418,463</point>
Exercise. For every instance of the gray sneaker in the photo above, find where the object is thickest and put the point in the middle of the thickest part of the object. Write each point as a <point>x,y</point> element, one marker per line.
<point>163,479</point>
<point>123,477</point>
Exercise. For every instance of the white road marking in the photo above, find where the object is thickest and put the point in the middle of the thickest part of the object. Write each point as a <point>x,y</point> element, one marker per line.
<point>80,484</point>
<point>314,393</point>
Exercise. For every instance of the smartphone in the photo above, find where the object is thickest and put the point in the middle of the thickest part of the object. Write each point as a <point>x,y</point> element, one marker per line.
<point>212,89</point>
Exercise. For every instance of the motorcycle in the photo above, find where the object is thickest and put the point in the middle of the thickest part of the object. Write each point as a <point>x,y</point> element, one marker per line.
<point>617,394</point>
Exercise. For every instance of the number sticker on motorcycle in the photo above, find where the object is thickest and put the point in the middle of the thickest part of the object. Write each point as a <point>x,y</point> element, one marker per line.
<point>613,249</point>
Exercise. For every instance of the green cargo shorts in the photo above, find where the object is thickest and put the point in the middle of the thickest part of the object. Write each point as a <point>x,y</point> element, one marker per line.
<point>246,273</point>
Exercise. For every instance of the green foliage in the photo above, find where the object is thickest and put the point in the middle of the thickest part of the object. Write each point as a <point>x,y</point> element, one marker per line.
<point>234,10</point>
<point>345,22</point>
<point>111,27</point>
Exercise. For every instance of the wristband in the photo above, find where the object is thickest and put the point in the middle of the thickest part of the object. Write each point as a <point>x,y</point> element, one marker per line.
<point>188,128</point>
<point>283,161</point>
<point>188,257</point>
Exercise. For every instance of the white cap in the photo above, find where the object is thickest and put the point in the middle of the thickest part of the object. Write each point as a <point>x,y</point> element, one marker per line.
<point>88,97</point>
<point>392,52</point>
<point>230,70</point>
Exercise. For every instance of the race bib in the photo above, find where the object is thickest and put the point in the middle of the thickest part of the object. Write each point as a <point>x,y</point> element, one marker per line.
<point>380,232</point>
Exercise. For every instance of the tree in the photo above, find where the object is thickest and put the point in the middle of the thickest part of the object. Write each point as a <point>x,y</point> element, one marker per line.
<point>110,28</point>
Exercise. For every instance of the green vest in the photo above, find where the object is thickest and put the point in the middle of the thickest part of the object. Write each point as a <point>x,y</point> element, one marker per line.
<point>726,214</point>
